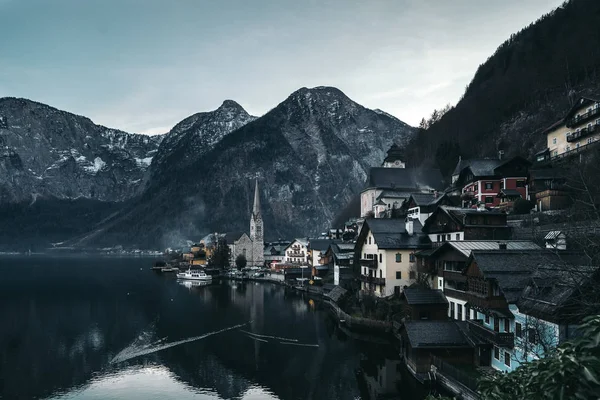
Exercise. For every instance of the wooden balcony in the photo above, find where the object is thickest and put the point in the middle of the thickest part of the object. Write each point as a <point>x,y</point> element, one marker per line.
<point>368,262</point>
<point>372,279</point>
<point>481,301</point>
<point>580,119</point>
<point>583,132</point>
<point>456,294</point>
<point>502,339</point>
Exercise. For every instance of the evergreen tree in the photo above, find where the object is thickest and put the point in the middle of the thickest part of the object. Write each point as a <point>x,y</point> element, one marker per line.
<point>220,256</point>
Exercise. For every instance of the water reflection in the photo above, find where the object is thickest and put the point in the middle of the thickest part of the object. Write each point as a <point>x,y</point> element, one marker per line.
<point>84,329</point>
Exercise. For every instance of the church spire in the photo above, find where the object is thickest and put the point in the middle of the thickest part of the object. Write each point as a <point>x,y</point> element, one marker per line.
<point>256,208</point>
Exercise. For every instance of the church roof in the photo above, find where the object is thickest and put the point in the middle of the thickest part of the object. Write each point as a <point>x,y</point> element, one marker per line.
<point>256,206</point>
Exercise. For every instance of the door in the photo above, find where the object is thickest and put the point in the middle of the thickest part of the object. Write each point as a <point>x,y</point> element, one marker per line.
<point>497,324</point>
<point>485,356</point>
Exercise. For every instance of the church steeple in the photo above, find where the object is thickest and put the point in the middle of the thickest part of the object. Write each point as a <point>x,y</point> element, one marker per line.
<point>256,207</point>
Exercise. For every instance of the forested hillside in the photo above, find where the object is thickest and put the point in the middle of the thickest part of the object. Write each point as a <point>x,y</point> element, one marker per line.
<point>526,85</point>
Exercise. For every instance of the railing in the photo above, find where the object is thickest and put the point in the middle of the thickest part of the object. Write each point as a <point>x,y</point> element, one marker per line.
<point>456,294</point>
<point>455,373</point>
<point>368,262</point>
<point>504,339</point>
<point>583,132</point>
<point>371,279</point>
<point>582,118</point>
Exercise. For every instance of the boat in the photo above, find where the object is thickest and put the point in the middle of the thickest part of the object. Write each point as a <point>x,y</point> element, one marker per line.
<point>194,276</point>
<point>169,269</point>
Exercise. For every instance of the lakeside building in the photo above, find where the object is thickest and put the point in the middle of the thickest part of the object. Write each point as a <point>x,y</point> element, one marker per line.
<point>297,252</point>
<point>386,251</point>
<point>340,259</point>
<point>275,252</point>
<point>317,248</point>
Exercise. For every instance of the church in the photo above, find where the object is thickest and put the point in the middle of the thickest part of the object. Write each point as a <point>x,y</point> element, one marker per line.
<point>251,246</point>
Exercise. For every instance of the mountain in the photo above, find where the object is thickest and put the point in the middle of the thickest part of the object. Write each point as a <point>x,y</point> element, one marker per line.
<point>310,154</point>
<point>195,136</point>
<point>52,153</point>
<point>526,85</point>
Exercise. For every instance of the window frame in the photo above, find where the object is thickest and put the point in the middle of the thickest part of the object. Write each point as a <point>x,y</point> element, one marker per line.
<point>398,274</point>
<point>398,257</point>
<point>507,358</point>
<point>497,353</point>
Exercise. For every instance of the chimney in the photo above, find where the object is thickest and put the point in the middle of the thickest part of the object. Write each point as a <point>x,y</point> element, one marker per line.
<point>502,245</point>
<point>409,226</point>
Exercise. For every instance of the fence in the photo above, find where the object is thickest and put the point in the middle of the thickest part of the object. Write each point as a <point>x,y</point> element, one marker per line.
<point>359,321</point>
<point>455,373</point>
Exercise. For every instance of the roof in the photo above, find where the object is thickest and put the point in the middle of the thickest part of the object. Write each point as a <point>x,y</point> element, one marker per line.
<point>546,173</point>
<point>417,296</point>
<point>466,246</point>
<point>458,214</point>
<point>380,203</point>
<point>405,178</point>
<point>429,334</point>
<point>231,237</point>
<point>511,192</point>
<point>552,235</point>
<point>336,293</point>
<point>394,194</point>
<point>426,199</point>
<point>321,244</point>
<point>390,233</point>
<point>479,166</point>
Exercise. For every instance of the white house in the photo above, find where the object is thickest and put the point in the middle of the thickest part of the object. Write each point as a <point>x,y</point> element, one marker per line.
<point>297,252</point>
<point>386,250</point>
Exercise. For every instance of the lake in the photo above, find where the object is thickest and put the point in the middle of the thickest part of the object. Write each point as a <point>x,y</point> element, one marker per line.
<point>109,328</point>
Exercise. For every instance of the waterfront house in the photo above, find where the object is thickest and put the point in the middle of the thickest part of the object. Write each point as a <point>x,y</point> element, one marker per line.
<point>420,341</point>
<point>392,183</point>
<point>421,303</point>
<point>524,303</point>
<point>481,180</point>
<point>275,252</point>
<point>577,131</point>
<point>421,205</point>
<point>317,249</point>
<point>454,223</point>
<point>386,252</point>
<point>340,257</point>
<point>297,252</point>
<point>548,189</point>
<point>448,262</point>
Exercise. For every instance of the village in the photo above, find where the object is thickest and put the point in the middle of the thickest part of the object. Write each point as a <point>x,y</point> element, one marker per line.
<point>477,275</point>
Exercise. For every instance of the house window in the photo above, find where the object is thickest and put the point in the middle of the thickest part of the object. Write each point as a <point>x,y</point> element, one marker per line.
<point>438,238</point>
<point>577,145</point>
<point>488,186</point>
<point>487,319</point>
<point>555,153</point>
<point>369,239</point>
<point>589,141</point>
<point>518,330</point>
<point>496,353</point>
<point>531,336</point>
<point>521,183</point>
<point>568,148</point>
<point>489,199</point>
<point>398,274</point>
<point>412,275</point>
<point>459,310</point>
<point>554,141</point>
<point>380,273</point>
<point>507,358</point>
<point>467,313</point>
<point>398,257</point>
<point>448,237</point>
<point>411,257</point>
<point>440,284</point>
<point>364,255</point>
<point>452,310</point>
<point>380,258</point>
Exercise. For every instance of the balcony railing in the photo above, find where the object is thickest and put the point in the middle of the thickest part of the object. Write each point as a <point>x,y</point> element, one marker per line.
<point>456,294</point>
<point>372,279</point>
<point>503,339</point>
<point>578,119</point>
<point>368,262</point>
<point>583,132</point>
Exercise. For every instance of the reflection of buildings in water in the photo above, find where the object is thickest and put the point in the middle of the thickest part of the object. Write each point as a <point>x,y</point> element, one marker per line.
<point>257,316</point>
<point>381,378</point>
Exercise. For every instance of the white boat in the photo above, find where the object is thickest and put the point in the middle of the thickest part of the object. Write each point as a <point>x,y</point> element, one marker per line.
<point>194,276</point>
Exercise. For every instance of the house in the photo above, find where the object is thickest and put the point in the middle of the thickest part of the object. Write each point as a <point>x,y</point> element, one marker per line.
<point>317,249</point>
<point>481,180</point>
<point>447,263</point>
<point>275,252</point>
<point>525,302</point>
<point>547,188</point>
<point>388,186</point>
<point>577,131</point>
<point>386,252</point>
<point>421,205</point>
<point>453,223</point>
<point>340,258</point>
<point>556,240</point>
<point>297,252</point>
<point>420,341</point>
<point>424,304</point>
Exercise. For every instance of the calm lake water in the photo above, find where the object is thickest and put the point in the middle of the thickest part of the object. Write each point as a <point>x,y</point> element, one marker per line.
<point>83,328</point>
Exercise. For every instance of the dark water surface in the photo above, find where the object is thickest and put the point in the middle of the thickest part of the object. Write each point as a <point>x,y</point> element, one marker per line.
<point>78,328</point>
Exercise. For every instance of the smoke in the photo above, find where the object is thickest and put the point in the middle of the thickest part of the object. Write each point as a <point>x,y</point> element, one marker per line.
<point>187,225</point>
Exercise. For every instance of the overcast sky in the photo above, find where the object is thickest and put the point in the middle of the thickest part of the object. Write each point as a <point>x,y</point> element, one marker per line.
<point>143,65</point>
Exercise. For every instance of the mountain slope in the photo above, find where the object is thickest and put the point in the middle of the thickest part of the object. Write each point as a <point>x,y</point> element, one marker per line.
<point>311,154</point>
<point>48,152</point>
<point>195,136</point>
<point>525,86</point>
